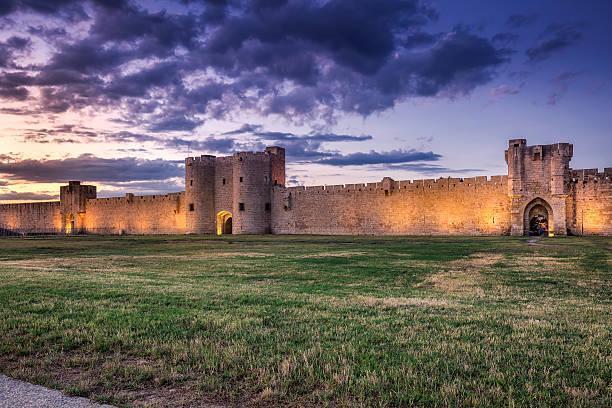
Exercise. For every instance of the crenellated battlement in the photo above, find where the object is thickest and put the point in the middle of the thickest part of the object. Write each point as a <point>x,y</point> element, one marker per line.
<point>27,206</point>
<point>206,160</point>
<point>402,186</point>
<point>131,198</point>
<point>595,175</point>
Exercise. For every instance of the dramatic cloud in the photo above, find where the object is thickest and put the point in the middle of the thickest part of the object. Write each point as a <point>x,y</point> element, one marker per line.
<point>70,9</point>
<point>8,157</point>
<point>504,90</point>
<point>91,168</point>
<point>10,87</point>
<point>249,137</point>
<point>304,60</point>
<point>78,134</point>
<point>142,187</point>
<point>8,49</point>
<point>19,94</point>
<point>428,169</point>
<point>300,148</point>
<point>555,38</point>
<point>373,157</point>
<point>26,196</point>
<point>258,130</point>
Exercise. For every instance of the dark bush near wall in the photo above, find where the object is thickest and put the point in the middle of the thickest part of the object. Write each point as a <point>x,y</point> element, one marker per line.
<point>8,233</point>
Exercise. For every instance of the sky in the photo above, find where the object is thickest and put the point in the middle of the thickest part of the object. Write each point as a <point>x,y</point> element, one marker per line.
<point>117,93</point>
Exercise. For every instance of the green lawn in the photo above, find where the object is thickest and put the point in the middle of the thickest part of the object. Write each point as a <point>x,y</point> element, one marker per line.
<point>293,321</point>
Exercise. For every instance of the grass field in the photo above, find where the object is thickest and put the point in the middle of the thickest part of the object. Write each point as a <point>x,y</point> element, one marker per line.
<point>293,321</point>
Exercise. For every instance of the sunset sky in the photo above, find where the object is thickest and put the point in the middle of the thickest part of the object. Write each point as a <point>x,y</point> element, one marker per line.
<point>118,93</point>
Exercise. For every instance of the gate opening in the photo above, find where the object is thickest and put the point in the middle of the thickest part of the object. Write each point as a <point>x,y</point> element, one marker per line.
<point>224,223</point>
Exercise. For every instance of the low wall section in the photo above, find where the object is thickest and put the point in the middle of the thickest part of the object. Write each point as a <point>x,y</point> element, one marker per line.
<point>39,217</point>
<point>155,214</point>
<point>589,205</point>
<point>451,206</point>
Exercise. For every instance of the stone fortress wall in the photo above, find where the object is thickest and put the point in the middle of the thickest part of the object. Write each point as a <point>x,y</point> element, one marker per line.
<point>43,217</point>
<point>245,194</point>
<point>589,204</point>
<point>156,214</point>
<point>450,206</point>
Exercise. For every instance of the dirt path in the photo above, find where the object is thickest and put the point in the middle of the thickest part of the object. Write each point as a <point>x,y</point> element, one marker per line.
<point>15,393</point>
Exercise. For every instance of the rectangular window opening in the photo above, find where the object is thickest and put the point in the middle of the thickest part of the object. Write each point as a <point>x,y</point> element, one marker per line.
<point>268,207</point>
<point>241,206</point>
<point>223,181</point>
<point>241,179</point>
<point>191,207</point>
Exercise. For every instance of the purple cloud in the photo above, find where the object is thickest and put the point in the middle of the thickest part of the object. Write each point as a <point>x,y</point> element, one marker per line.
<point>303,60</point>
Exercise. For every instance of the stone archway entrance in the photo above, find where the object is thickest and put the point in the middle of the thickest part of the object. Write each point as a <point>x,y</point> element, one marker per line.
<point>538,218</point>
<point>224,222</point>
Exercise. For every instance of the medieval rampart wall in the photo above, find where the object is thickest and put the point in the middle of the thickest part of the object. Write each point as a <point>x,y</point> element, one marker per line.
<point>155,214</point>
<point>452,206</point>
<point>589,205</point>
<point>39,217</point>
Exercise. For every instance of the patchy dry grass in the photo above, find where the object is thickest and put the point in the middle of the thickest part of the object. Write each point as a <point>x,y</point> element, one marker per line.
<point>310,321</point>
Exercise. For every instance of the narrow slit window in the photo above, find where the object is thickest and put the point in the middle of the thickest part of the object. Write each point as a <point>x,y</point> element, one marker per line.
<point>241,206</point>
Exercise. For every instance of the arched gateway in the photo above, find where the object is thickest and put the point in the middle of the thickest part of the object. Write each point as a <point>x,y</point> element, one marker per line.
<point>538,218</point>
<point>224,222</point>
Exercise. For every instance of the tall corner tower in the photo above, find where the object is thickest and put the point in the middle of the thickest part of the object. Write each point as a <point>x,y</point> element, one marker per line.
<point>200,194</point>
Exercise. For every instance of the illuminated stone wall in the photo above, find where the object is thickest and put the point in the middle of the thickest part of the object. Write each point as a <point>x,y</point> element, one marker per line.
<point>31,217</point>
<point>249,188</point>
<point>471,206</point>
<point>155,214</point>
<point>589,205</point>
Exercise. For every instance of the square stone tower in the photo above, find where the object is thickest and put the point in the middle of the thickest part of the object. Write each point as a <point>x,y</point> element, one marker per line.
<point>538,181</point>
<point>73,203</point>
